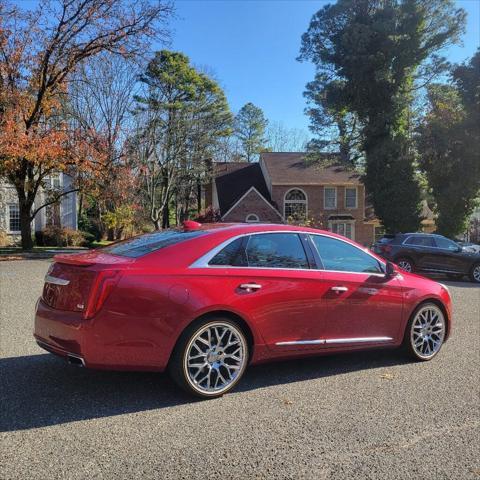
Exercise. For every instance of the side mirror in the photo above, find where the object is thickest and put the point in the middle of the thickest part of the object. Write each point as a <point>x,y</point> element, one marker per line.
<point>390,270</point>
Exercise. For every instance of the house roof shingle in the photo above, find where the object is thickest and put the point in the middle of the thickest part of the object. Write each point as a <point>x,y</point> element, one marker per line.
<point>292,169</point>
<point>234,179</point>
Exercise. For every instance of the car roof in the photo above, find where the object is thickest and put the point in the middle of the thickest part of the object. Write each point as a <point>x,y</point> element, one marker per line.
<point>240,228</point>
<point>423,234</point>
<point>233,229</point>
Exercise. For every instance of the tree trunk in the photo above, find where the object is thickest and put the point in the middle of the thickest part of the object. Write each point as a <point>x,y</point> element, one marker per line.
<point>166,216</point>
<point>80,206</point>
<point>26,226</point>
<point>199,197</point>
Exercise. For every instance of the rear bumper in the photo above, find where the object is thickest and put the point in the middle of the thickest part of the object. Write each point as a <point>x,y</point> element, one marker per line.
<point>72,358</point>
<point>60,332</point>
<point>108,341</point>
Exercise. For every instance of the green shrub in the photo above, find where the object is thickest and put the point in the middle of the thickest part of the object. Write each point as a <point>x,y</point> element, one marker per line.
<point>54,236</point>
<point>89,238</point>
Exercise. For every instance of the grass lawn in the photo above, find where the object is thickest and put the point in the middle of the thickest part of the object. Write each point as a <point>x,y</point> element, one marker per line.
<point>101,243</point>
<point>11,250</point>
<point>7,252</point>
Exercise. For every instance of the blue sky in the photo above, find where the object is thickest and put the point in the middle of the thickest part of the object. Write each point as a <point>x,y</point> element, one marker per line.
<point>251,46</point>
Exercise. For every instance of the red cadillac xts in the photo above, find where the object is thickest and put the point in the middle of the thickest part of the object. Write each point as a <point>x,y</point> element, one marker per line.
<point>205,300</point>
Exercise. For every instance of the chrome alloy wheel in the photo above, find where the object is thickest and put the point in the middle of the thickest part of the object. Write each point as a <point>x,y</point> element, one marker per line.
<point>215,358</point>
<point>405,265</point>
<point>427,331</point>
<point>476,273</point>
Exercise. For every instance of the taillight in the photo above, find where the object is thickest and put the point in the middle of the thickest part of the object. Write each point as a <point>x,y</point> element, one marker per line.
<point>103,286</point>
<point>386,248</point>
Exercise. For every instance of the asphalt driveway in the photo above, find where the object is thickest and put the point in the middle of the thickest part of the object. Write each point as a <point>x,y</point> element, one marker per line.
<point>362,415</point>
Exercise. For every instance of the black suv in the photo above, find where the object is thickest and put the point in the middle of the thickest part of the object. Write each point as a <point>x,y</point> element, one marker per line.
<point>421,252</point>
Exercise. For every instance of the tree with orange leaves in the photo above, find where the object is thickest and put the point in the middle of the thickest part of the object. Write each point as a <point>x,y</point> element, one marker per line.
<point>39,51</point>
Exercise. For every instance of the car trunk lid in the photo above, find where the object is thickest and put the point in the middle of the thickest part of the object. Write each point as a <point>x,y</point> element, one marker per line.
<point>74,282</point>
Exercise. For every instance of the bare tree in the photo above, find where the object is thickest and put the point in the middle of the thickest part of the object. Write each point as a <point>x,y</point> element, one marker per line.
<point>101,99</point>
<point>283,139</point>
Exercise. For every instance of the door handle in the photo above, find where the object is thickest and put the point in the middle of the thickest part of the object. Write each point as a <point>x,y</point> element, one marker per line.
<point>250,287</point>
<point>339,289</point>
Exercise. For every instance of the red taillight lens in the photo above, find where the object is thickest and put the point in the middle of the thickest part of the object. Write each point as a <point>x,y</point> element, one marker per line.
<point>103,286</point>
<point>386,248</point>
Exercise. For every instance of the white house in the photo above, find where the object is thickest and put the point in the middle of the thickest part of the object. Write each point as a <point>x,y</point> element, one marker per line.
<point>62,214</point>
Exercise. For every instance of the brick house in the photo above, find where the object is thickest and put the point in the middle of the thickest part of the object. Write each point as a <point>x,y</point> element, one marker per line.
<point>283,187</point>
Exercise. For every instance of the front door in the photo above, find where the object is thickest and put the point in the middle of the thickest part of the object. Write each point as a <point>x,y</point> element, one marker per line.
<point>361,305</point>
<point>448,256</point>
<point>268,278</point>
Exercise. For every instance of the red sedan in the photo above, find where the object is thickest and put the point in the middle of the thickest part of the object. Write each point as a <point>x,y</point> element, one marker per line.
<point>206,300</point>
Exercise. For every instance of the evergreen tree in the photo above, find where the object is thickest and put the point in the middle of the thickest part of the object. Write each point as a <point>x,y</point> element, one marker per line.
<point>367,54</point>
<point>449,147</point>
<point>249,129</point>
<point>182,117</point>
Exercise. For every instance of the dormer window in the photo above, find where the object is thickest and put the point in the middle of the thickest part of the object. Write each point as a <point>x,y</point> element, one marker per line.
<point>295,205</point>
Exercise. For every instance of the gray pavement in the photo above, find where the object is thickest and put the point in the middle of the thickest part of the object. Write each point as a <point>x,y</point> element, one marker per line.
<point>363,415</point>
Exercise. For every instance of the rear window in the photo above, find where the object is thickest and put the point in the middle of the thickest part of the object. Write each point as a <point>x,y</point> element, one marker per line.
<point>150,242</point>
<point>387,239</point>
<point>231,255</point>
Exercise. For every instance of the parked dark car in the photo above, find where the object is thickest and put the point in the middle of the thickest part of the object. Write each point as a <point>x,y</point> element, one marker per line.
<point>421,252</point>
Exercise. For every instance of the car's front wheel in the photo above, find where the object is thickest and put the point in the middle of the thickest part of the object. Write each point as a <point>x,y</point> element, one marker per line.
<point>425,332</point>
<point>210,357</point>
<point>475,273</point>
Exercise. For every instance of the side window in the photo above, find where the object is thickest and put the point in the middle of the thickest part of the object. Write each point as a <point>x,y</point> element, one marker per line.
<point>341,256</point>
<point>446,244</point>
<point>276,250</point>
<point>421,241</point>
<point>232,255</point>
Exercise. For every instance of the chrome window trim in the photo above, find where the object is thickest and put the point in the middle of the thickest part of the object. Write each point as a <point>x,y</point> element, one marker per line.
<point>203,261</point>
<point>335,341</point>
<point>56,280</point>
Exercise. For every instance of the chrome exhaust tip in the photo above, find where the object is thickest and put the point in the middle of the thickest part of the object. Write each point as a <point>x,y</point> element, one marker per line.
<point>74,360</point>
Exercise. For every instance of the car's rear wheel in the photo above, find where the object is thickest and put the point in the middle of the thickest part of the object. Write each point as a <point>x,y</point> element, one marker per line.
<point>475,273</point>
<point>210,357</point>
<point>406,264</point>
<point>425,332</point>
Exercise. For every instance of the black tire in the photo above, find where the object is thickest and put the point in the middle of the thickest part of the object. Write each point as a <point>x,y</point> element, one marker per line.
<point>215,365</point>
<point>475,273</point>
<point>405,261</point>
<point>408,338</point>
